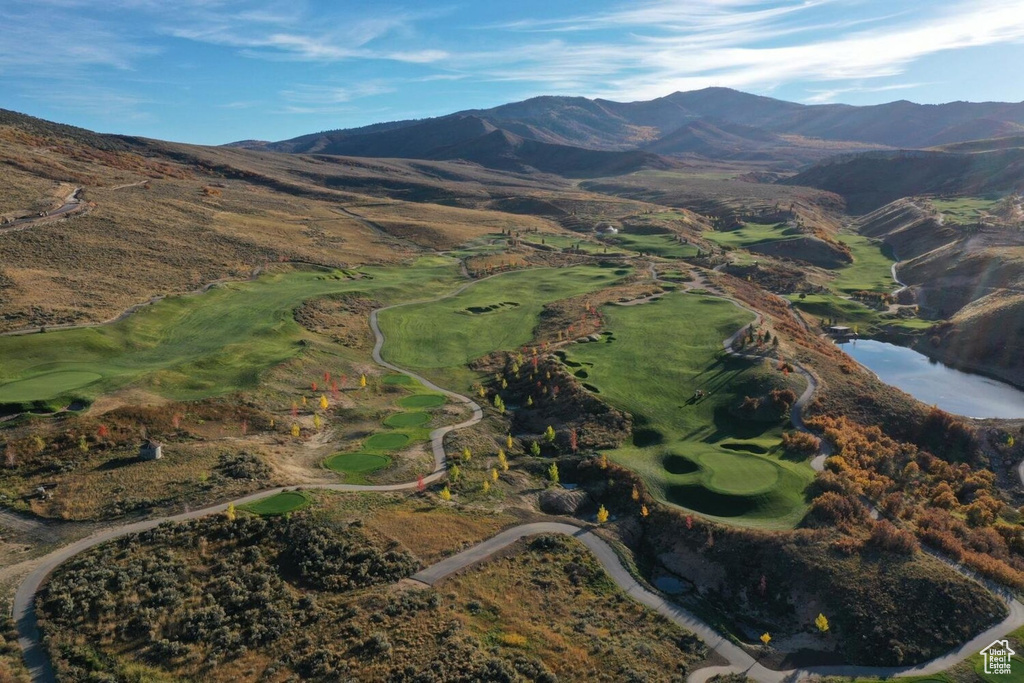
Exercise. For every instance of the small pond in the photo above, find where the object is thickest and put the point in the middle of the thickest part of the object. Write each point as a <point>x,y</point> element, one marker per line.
<point>955,391</point>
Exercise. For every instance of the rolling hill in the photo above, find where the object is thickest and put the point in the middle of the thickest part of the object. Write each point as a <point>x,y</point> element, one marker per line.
<point>715,123</point>
<point>869,181</point>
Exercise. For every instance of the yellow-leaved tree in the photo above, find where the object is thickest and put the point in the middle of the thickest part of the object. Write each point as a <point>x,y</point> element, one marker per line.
<point>362,381</point>
<point>230,512</point>
<point>502,460</point>
<point>323,402</point>
<point>766,638</point>
<point>446,494</point>
<point>295,430</point>
<point>508,441</point>
<point>602,515</point>
<point>644,511</point>
<point>821,622</point>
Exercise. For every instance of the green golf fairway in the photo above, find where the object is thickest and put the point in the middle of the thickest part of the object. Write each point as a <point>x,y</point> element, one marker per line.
<point>196,346</point>
<point>422,401</point>
<point>400,420</point>
<point>658,244</point>
<point>697,454</point>
<point>388,441</point>
<point>870,271</point>
<point>47,386</point>
<point>752,233</point>
<point>446,335</point>
<point>279,503</point>
<point>357,463</point>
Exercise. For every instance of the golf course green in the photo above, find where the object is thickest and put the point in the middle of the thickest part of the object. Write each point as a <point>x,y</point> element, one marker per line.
<point>387,441</point>
<point>422,401</point>
<point>196,346</point>
<point>356,465</point>
<point>698,454</point>
<point>279,503</point>
<point>400,420</point>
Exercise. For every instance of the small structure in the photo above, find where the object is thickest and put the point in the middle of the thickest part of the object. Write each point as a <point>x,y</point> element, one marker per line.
<point>606,229</point>
<point>151,450</point>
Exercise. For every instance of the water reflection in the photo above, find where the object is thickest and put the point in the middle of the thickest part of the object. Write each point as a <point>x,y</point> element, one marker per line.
<point>931,382</point>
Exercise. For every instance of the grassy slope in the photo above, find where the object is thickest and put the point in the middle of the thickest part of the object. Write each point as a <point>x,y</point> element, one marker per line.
<point>750,234</point>
<point>871,269</point>
<point>660,355</point>
<point>662,245</point>
<point>964,210</point>
<point>972,670</point>
<point>443,336</point>
<point>195,346</point>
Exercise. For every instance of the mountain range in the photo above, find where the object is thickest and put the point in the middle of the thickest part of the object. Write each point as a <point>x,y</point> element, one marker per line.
<point>577,136</point>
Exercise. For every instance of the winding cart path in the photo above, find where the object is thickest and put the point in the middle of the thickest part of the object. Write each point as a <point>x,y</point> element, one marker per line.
<point>739,660</point>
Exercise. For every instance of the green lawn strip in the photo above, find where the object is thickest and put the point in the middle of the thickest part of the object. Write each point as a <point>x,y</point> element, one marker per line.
<point>355,466</point>
<point>700,455</point>
<point>279,503</point>
<point>400,420</point>
<point>398,379</point>
<point>665,245</point>
<point>422,401</point>
<point>871,269</point>
<point>197,346</point>
<point>752,233</point>
<point>442,337</point>
<point>387,441</point>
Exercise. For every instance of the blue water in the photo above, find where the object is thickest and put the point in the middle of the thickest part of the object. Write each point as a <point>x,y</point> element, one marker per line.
<point>954,391</point>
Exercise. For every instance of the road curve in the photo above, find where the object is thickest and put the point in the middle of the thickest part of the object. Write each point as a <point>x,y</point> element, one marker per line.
<point>41,670</point>
<point>740,661</point>
<point>23,610</point>
<point>796,411</point>
<point>71,204</point>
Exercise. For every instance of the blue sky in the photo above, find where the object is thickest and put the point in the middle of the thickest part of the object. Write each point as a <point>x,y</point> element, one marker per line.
<point>214,71</point>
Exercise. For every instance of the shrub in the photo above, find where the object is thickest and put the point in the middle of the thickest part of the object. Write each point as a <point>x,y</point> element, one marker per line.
<point>800,443</point>
<point>887,536</point>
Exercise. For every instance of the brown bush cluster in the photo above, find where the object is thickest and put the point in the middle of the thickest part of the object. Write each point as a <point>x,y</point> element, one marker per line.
<point>952,506</point>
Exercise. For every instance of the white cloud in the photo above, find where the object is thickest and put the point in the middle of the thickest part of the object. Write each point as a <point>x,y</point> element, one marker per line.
<point>830,95</point>
<point>329,95</point>
<point>726,46</point>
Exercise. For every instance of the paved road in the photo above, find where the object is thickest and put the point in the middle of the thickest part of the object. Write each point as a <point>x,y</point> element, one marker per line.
<point>71,204</point>
<point>739,660</point>
<point>41,671</point>
<point>23,611</point>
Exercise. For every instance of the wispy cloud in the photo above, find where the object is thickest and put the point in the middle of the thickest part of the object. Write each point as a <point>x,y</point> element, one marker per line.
<point>725,46</point>
<point>824,96</point>
<point>328,99</point>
